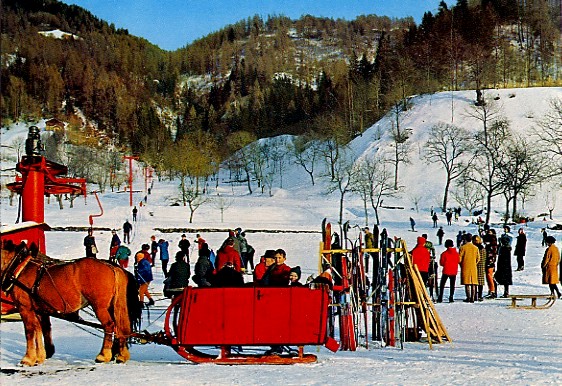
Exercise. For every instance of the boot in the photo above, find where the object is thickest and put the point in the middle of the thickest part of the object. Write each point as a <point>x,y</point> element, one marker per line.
<point>491,295</point>
<point>150,302</point>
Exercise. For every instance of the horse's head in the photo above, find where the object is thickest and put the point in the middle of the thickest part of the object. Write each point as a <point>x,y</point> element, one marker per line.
<point>11,253</point>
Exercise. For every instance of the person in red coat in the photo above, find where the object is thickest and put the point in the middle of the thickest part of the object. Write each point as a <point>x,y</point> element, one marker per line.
<point>421,257</point>
<point>227,254</point>
<point>266,261</point>
<point>279,274</point>
<point>450,263</point>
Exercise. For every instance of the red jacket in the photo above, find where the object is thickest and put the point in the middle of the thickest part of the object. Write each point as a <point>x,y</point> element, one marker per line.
<point>228,254</point>
<point>420,255</point>
<point>280,275</point>
<point>259,271</point>
<point>450,262</point>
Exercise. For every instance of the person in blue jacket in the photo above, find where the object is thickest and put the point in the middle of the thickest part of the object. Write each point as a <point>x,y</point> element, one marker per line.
<point>164,255</point>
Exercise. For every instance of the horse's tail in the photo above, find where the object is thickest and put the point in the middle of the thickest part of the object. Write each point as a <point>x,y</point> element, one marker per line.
<point>134,305</point>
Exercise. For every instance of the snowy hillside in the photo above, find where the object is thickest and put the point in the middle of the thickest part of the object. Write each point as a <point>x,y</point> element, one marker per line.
<point>491,343</point>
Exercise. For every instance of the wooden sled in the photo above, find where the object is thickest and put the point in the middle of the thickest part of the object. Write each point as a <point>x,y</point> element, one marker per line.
<point>211,325</point>
<point>549,301</point>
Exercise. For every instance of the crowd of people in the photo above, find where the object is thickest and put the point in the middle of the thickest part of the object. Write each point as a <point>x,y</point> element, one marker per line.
<point>483,260</point>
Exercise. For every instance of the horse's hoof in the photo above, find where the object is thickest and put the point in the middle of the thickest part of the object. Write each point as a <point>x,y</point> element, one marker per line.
<point>102,359</point>
<point>50,351</point>
<point>26,362</point>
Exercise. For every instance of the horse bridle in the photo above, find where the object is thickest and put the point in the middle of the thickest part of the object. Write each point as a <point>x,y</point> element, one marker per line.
<point>14,268</point>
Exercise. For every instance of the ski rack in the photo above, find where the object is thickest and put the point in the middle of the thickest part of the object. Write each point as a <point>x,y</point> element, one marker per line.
<point>397,299</point>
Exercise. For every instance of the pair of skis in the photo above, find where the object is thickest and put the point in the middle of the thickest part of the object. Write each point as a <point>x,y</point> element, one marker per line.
<point>342,302</point>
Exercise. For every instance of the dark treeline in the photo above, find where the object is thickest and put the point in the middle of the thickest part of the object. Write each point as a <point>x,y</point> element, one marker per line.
<point>331,78</point>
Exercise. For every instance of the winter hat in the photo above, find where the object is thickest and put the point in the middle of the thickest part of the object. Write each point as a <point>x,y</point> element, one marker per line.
<point>550,240</point>
<point>179,255</point>
<point>297,270</point>
<point>269,254</point>
<point>145,247</point>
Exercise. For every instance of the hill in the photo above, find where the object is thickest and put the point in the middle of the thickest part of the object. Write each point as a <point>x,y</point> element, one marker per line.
<point>263,77</point>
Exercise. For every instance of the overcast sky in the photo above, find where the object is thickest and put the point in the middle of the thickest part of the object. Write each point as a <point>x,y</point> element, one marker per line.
<point>172,24</point>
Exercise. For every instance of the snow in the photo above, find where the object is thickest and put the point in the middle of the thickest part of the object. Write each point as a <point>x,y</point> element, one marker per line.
<point>58,34</point>
<point>492,344</point>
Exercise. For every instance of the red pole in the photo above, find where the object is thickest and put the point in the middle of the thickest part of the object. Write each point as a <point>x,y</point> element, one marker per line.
<point>130,158</point>
<point>32,196</point>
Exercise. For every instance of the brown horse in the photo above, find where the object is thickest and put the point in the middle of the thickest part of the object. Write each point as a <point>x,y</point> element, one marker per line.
<point>41,287</point>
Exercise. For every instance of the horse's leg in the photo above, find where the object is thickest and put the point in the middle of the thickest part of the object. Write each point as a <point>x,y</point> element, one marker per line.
<point>108,325</point>
<point>32,329</point>
<point>121,318</point>
<point>47,337</point>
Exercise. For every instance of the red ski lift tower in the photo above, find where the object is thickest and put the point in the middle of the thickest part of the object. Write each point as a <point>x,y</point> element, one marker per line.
<point>40,177</point>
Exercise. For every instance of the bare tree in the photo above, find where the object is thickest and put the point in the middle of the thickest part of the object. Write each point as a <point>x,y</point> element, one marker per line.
<point>222,204</point>
<point>486,113</point>
<point>343,177</point>
<point>373,181</point>
<point>306,152</point>
<point>549,133</point>
<point>488,158</point>
<point>551,197</point>
<point>524,166</point>
<point>468,195</point>
<point>400,144</point>
<point>194,200</point>
<point>18,144</point>
<point>447,144</point>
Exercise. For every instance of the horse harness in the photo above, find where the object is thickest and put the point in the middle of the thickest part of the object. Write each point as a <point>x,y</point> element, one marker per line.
<point>22,259</point>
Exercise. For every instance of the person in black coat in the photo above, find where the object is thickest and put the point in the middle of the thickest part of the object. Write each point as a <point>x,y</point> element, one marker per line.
<point>90,244</point>
<point>503,273</point>
<point>520,246</point>
<point>203,268</point>
<point>178,276</point>
<point>227,276</point>
<point>184,245</point>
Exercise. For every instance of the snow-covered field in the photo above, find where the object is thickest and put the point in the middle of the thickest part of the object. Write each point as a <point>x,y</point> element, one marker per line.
<point>492,344</point>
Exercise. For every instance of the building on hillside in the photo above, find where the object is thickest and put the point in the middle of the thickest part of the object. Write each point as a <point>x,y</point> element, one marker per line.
<point>55,125</point>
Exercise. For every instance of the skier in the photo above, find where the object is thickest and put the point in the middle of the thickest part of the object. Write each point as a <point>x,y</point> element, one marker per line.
<point>412,224</point>
<point>520,246</point>
<point>434,218</point>
<point>135,210</point>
